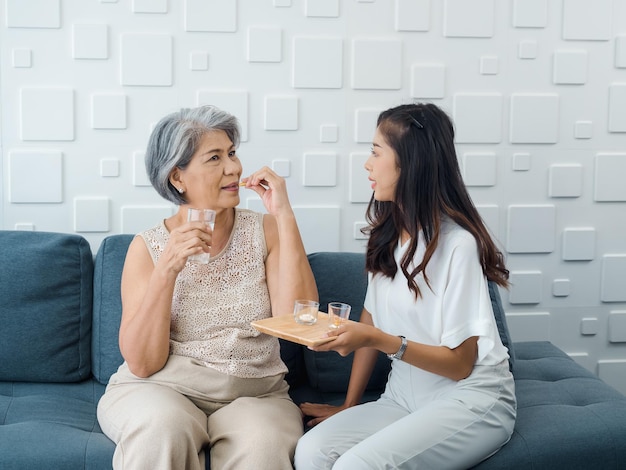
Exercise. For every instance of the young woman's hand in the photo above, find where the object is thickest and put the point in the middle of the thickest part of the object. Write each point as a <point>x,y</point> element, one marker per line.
<point>319,412</point>
<point>349,337</point>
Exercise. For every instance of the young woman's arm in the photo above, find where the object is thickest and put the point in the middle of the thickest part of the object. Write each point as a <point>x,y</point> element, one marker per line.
<point>455,364</point>
<point>362,367</point>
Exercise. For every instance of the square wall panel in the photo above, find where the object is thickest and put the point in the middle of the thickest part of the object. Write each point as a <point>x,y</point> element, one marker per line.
<point>531,326</point>
<point>90,41</point>
<point>367,57</point>
<point>281,113</point>
<point>233,101</point>
<point>360,189</point>
<point>531,229</point>
<point>613,278</point>
<point>610,169</point>
<point>211,16</point>
<point>565,181</point>
<point>108,111</point>
<point>579,244</point>
<point>478,117</point>
<point>479,168</point>
<point>22,57</point>
<point>525,287</point>
<point>521,161</point>
<point>570,67</point>
<point>365,125</point>
<point>585,20</point>
<point>136,219</point>
<point>35,176</point>
<point>617,108</point>
<point>319,227</point>
<point>140,175</point>
<point>282,167</point>
<point>357,231</point>
<point>91,214</point>
<point>412,15</point>
<point>613,372</point>
<point>530,13</point>
<point>149,6</point>
<point>620,51</point>
<point>319,169</point>
<point>527,49</point>
<point>561,287</point>
<point>146,59</point>
<point>469,18</point>
<point>110,167</point>
<point>317,62</point>
<point>33,13</point>
<point>47,114</point>
<point>489,65</point>
<point>264,44</point>
<point>428,81</point>
<point>534,118</point>
<point>321,8</point>
<point>617,326</point>
<point>583,130</point>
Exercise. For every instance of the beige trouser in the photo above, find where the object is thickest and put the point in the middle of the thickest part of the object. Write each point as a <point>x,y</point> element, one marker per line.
<point>166,420</point>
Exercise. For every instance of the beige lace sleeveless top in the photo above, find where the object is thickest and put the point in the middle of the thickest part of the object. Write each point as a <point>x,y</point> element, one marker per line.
<point>213,304</point>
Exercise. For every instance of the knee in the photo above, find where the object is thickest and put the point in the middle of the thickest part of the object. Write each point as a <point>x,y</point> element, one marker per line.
<point>310,452</point>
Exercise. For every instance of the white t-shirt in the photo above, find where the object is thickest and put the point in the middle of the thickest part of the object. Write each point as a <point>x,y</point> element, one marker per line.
<point>454,308</point>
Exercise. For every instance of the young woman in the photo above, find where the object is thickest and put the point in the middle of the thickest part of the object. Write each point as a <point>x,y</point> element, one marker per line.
<point>449,401</point>
<point>196,375</point>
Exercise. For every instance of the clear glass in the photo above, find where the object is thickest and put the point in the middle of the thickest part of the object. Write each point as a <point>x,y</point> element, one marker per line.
<point>338,312</point>
<point>208,217</point>
<point>305,311</point>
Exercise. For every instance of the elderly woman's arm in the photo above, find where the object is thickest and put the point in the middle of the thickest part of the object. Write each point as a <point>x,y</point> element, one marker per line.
<point>289,275</point>
<point>147,291</point>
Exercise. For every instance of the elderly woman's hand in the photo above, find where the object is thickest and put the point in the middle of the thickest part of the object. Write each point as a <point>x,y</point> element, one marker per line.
<point>191,238</point>
<point>272,190</point>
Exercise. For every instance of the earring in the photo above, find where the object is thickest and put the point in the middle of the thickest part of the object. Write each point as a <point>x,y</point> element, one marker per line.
<point>181,190</point>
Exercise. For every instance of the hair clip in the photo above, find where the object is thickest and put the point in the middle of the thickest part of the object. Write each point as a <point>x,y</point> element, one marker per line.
<point>416,122</point>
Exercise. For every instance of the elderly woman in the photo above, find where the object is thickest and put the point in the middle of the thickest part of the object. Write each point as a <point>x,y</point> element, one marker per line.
<point>196,375</point>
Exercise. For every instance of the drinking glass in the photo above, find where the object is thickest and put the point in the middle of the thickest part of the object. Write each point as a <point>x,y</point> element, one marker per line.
<point>338,312</point>
<point>208,217</point>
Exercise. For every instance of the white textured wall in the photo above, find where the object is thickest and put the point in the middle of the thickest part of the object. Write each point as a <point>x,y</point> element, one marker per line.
<point>537,89</point>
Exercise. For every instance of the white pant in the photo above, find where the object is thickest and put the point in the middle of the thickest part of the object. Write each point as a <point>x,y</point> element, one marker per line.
<point>456,430</point>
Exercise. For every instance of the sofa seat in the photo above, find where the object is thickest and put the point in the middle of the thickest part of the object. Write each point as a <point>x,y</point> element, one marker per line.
<point>567,417</point>
<point>55,420</point>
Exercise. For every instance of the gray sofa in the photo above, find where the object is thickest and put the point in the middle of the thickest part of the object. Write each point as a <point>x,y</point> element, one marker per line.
<point>59,316</point>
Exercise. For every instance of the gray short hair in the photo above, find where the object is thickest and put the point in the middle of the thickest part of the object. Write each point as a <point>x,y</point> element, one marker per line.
<point>174,140</point>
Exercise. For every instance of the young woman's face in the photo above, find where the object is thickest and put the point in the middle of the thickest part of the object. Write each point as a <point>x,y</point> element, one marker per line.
<point>383,169</point>
<point>211,180</point>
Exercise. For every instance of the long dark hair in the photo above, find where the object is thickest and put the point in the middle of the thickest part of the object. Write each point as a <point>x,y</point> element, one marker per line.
<point>430,186</point>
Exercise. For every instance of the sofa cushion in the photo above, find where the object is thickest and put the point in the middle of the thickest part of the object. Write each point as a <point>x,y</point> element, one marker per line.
<point>107,307</point>
<point>52,426</point>
<point>503,328</point>
<point>566,416</point>
<point>48,277</point>
<point>340,277</point>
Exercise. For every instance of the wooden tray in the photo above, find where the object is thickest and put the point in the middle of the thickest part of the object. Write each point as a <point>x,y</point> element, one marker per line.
<point>285,327</point>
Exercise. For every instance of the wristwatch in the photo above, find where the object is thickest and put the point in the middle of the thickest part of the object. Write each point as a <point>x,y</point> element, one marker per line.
<point>397,356</point>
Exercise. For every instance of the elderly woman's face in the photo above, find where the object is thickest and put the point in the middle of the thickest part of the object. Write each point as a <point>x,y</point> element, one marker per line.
<point>211,180</point>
